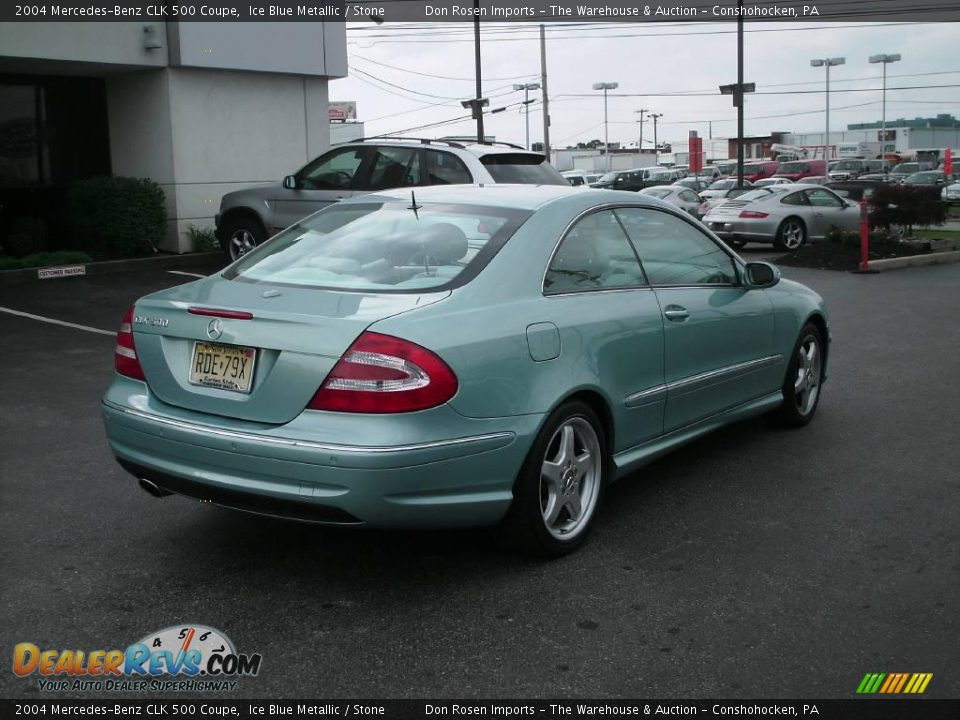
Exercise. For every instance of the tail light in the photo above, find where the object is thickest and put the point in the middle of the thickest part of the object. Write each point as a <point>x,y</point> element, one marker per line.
<point>753,214</point>
<point>385,374</point>
<point>125,360</point>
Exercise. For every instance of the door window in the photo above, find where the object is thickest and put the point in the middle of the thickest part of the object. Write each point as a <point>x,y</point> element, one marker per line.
<point>823,198</point>
<point>445,168</point>
<point>594,255</point>
<point>334,170</point>
<point>394,167</point>
<point>674,252</point>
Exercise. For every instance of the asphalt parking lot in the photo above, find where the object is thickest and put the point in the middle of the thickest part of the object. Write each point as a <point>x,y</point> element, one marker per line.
<point>753,563</point>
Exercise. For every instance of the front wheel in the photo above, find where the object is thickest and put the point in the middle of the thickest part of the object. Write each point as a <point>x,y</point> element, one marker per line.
<point>801,387</point>
<point>791,234</point>
<point>240,236</point>
<point>559,486</point>
<point>736,243</point>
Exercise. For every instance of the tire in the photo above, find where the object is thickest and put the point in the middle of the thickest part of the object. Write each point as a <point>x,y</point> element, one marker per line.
<point>791,234</point>
<point>736,244</point>
<point>239,236</point>
<point>558,490</point>
<point>803,381</point>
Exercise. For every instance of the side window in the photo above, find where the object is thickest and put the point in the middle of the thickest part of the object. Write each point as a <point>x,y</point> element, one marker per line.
<point>797,198</point>
<point>445,168</point>
<point>593,255</point>
<point>823,198</point>
<point>394,167</point>
<point>334,170</point>
<point>674,252</point>
<point>688,196</point>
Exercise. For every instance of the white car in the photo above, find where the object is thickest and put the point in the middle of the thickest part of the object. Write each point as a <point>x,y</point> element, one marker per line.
<point>683,197</point>
<point>951,193</point>
<point>764,182</point>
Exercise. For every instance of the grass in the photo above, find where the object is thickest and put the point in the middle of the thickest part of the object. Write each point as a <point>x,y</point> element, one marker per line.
<point>931,234</point>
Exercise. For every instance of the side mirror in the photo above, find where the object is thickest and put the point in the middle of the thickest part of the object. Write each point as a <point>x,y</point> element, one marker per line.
<point>290,182</point>
<point>760,275</point>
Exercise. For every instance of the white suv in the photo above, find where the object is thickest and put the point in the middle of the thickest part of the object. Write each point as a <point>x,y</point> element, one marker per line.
<point>248,217</point>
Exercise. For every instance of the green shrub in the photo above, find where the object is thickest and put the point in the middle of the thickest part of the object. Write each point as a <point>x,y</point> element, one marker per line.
<point>203,239</point>
<point>28,235</point>
<point>906,205</point>
<point>117,216</point>
<point>45,259</point>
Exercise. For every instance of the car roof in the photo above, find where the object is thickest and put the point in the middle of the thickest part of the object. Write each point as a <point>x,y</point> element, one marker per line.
<point>522,197</point>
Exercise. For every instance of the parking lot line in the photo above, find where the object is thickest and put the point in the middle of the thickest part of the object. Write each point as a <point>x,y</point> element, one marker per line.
<point>53,321</point>
<point>182,272</point>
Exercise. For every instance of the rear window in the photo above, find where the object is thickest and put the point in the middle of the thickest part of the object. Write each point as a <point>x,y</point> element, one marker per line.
<point>657,192</point>
<point>382,247</point>
<point>524,168</point>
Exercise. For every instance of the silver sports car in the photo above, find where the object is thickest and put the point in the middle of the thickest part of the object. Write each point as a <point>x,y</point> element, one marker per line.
<point>683,197</point>
<point>788,216</point>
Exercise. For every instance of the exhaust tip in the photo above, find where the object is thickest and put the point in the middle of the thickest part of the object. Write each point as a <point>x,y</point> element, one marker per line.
<point>153,489</point>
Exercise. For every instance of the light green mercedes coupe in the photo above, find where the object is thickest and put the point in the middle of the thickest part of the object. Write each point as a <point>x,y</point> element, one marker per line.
<point>459,356</point>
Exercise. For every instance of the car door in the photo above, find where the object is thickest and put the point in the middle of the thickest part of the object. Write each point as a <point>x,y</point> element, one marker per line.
<point>718,335</point>
<point>327,179</point>
<point>611,327</point>
<point>828,210</point>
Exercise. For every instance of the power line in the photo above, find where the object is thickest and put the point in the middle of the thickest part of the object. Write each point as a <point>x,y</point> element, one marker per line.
<point>441,77</point>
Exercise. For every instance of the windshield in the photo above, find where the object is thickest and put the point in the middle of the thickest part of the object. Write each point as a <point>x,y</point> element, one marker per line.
<point>750,195</point>
<point>846,165</point>
<point>657,192</point>
<point>906,168</point>
<point>382,247</point>
<point>526,168</point>
<point>609,177</point>
<point>722,184</point>
<point>923,178</point>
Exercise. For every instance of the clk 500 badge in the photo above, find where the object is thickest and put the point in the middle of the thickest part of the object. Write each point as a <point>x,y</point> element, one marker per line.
<point>147,320</point>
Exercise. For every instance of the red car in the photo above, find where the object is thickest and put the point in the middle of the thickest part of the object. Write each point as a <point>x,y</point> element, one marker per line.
<point>761,169</point>
<point>796,170</point>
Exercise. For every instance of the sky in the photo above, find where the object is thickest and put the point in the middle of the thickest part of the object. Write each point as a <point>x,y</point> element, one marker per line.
<point>394,77</point>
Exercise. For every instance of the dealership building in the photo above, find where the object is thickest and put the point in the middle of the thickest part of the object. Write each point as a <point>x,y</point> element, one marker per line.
<point>201,108</point>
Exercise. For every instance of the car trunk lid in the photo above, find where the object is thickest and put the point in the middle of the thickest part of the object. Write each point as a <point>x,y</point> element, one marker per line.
<point>293,337</point>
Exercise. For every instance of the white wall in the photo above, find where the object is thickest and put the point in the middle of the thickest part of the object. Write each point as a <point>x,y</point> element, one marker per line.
<point>118,43</point>
<point>202,133</point>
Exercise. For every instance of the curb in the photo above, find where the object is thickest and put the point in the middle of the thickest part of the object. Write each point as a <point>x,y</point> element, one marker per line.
<point>877,266</point>
<point>109,267</point>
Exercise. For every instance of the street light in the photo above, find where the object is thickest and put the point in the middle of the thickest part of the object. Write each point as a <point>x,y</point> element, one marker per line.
<point>606,128</point>
<point>640,112</point>
<point>656,146</point>
<point>527,87</point>
<point>885,60</point>
<point>827,63</point>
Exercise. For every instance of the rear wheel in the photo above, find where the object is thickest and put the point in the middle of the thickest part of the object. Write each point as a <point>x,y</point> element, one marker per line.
<point>559,486</point>
<point>791,234</point>
<point>801,386</point>
<point>240,236</point>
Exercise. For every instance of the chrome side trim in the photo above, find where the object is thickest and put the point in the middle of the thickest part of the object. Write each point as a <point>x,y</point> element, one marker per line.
<point>646,397</point>
<point>696,382</point>
<point>285,442</point>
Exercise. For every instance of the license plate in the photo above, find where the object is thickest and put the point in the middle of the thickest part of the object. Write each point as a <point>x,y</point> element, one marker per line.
<point>228,367</point>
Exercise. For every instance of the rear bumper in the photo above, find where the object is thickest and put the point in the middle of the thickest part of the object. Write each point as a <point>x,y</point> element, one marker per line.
<point>463,479</point>
<point>738,230</point>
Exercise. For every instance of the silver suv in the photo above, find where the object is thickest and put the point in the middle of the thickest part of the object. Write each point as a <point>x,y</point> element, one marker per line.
<point>248,217</point>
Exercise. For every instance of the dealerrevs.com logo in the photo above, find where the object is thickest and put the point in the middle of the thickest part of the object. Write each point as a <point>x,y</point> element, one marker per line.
<point>185,658</point>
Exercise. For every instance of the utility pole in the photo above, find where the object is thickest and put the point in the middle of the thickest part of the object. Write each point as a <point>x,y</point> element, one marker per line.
<point>641,112</point>
<point>478,108</point>
<point>885,59</point>
<point>656,146</point>
<point>827,63</point>
<point>737,90</point>
<point>543,87</point>
<point>606,126</point>
<point>527,87</point>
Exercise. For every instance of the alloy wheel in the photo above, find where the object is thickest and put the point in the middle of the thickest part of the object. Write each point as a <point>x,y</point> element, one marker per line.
<point>570,476</point>
<point>792,234</point>
<point>241,242</point>
<point>806,386</point>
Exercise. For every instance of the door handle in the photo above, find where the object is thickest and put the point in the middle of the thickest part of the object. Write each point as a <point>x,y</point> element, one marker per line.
<point>676,313</point>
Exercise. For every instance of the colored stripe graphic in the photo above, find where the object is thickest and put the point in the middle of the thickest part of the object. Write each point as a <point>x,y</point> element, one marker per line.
<point>894,683</point>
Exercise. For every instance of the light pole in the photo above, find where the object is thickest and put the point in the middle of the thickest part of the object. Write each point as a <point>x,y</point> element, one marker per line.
<point>656,146</point>
<point>885,60</point>
<point>827,63</point>
<point>606,127</point>
<point>527,87</point>
<point>641,113</point>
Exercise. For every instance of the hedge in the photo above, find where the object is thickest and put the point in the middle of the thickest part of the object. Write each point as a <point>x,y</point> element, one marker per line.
<point>117,216</point>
